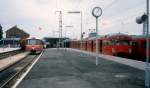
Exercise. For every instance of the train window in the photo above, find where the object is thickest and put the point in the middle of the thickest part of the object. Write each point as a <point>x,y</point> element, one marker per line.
<point>143,44</point>
<point>122,42</point>
<point>135,44</point>
<point>31,42</point>
<point>112,42</point>
<point>105,43</point>
<point>34,41</point>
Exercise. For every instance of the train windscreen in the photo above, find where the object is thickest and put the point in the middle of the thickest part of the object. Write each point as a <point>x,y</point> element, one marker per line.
<point>34,42</point>
<point>122,42</point>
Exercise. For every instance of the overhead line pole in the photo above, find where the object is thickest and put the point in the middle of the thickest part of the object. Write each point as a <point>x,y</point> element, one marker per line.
<point>60,27</point>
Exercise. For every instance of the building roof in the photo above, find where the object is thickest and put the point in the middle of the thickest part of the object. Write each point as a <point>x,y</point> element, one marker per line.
<point>15,27</point>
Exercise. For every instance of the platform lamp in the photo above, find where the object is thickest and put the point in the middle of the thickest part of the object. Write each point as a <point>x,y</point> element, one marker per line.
<point>67,26</point>
<point>97,12</point>
<point>78,12</point>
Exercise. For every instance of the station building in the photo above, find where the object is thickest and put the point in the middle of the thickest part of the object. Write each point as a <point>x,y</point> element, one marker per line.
<point>16,32</point>
<point>13,36</point>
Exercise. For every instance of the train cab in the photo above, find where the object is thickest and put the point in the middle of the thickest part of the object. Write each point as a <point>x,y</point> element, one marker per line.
<point>117,44</point>
<point>139,47</point>
<point>34,45</point>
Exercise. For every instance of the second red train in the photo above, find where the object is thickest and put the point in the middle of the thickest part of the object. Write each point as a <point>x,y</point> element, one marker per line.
<point>115,44</point>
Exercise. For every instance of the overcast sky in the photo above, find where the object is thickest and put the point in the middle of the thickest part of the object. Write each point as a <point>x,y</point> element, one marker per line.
<point>29,15</point>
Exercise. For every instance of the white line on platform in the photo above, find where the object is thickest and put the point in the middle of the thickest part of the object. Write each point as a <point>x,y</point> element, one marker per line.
<point>23,76</point>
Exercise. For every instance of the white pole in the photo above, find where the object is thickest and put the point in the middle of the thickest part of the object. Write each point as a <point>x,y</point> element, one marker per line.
<point>147,72</point>
<point>97,41</point>
<point>81,33</point>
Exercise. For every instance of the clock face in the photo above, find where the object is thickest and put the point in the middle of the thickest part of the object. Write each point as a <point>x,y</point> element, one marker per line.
<point>97,11</point>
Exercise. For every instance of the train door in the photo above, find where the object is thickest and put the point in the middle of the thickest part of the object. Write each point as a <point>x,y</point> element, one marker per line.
<point>86,45</point>
<point>92,45</point>
<point>135,48</point>
<point>100,46</point>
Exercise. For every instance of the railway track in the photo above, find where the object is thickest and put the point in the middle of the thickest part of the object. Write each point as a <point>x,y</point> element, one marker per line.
<point>9,76</point>
<point>10,53</point>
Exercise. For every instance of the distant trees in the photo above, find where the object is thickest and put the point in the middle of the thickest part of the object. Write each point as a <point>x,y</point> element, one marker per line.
<point>1,32</point>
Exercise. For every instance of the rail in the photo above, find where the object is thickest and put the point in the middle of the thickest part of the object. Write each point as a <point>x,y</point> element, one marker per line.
<point>11,80</point>
<point>9,53</point>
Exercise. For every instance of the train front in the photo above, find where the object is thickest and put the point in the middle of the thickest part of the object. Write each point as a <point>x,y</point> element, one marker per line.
<point>34,45</point>
<point>122,45</point>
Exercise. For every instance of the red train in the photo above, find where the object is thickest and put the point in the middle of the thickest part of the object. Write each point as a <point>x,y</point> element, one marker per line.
<point>34,45</point>
<point>116,44</point>
<point>139,47</point>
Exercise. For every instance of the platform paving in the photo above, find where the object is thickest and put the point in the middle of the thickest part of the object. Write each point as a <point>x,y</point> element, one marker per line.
<point>2,50</point>
<point>126,61</point>
<point>68,69</point>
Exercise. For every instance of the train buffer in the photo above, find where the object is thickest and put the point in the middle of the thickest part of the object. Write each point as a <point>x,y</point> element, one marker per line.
<point>59,68</point>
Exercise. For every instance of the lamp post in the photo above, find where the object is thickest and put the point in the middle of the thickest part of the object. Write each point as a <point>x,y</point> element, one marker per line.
<point>145,20</point>
<point>147,69</point>
<point>78,12</point>
<point>68,26</point>
<point>97,12</point>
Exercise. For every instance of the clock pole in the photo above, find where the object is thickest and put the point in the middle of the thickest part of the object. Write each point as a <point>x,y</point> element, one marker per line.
<point>97,45</point>
<point>97,12</point>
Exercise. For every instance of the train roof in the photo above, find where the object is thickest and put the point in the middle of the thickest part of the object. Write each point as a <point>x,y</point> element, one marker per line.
<point>140,36</point>
<point>34,38</point>
<point>117,34</point>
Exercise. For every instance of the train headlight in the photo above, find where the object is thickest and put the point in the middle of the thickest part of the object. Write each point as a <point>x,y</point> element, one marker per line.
<point>130,50</point>
<point>113,50</point>
<point>33,48</point>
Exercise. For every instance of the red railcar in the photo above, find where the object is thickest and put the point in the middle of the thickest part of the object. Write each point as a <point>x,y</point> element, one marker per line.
<point>84,44</point>
<point>117,44</point>
<point>71,44</point>
<point>90,45</point>
<point>94,44</point>
<point>99,44</point>
<point>78,44</point>
<point>74,44</point>
<point>139,47</point>
<point>34,45</point>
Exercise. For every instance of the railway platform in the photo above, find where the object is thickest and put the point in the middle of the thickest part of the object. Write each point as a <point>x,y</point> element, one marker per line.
<point>2,50</point>
<point>59,68</point>
<point>6,62</point>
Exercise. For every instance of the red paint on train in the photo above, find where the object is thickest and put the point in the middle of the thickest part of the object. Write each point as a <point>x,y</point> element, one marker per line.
<point>34,45</point>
